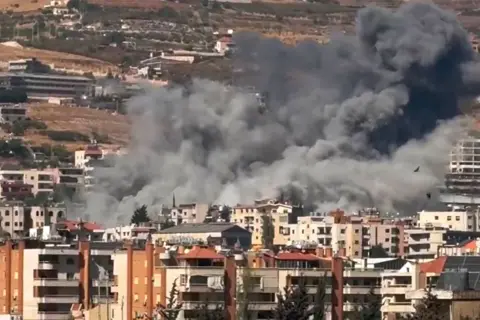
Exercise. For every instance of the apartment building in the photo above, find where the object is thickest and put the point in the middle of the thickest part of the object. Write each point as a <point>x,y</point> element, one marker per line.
<point>356,234</point>
<point>43,280</point>
<point>215,234</point>
<point>189,213</point>
<point>456,218</point>
<point>16,219</point>
<point>91,152</point>
<point>72,179</point>
<point>40,181</point>
<point>281,215</point>
<point>202,274</point>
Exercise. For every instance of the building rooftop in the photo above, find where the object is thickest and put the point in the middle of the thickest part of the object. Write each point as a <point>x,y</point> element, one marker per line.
<point>71,225</point>
<point>202,228</point>
<point>296,256</point>
<point>43,76</point>
<point>201,253</point>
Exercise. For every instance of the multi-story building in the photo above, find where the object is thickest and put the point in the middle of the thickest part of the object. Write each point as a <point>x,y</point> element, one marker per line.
<point>131,232</point>
<point>189,213</point>
<point>40,181</point>
<point>202,275</point>
<point>10,112</point>
<point>456,218</point>
<point>462,180</point>
<point>72,179</point>
<point>44,86</point>
<point>16,220</point>
<point>45,281</point>
<point>251,218</point>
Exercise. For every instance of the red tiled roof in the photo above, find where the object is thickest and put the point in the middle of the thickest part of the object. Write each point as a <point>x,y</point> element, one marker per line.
<point>472,245</point>
<point>296,256</point>
<point>434,266</point>
<point>201,253</point>
<point>73,225</point>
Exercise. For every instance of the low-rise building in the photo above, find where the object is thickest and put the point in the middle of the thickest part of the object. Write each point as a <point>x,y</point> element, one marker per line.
<point>10,113</point>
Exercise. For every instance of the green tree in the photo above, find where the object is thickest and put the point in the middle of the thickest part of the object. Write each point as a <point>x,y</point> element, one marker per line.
<point>268,231</point>
<point>244,289</point>
<point>140,215</point>
<point>294,303</point>
<point>377,251</point>
<point>372,309</point>
<point>319,302</point>
<point>205,312</point>
<point>431,308</point>
<point>166,224</point>
<point>173,307</point>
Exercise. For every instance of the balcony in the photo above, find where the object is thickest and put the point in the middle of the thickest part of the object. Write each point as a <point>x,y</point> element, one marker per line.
<point>360,290</point>
<point>362,273</point>
<point>103,283</point>
<point>55,282</point>
<point>57,299</point>
<point>261,305</point>
<point>393,289</point>
<point>46,266</point>
<point>53,315</point>
<point>192,305</point>
<point>398,307</point>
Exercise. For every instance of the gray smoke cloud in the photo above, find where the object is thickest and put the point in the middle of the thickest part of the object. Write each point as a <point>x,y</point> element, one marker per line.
<point>346,123</point>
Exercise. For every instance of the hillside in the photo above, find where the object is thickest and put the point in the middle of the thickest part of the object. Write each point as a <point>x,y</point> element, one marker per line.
<point>60,60</point>
<point>81,120</point>
<point>22,5</point>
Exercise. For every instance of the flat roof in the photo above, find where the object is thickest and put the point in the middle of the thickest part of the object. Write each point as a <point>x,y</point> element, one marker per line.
<point>43,76</point>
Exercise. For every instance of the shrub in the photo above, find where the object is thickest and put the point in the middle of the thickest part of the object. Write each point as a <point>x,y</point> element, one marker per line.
<point>66,135</point>
<point>18,128</point>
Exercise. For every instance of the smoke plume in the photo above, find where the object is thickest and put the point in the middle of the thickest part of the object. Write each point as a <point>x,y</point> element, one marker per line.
<point>345,124</point>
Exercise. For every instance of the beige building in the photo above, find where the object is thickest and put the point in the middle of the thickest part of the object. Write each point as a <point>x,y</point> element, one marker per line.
<point>336,231</point>
<point>17,220</point>
<point>189,213</point>
<point>41,181</point>
<point>456,219</point>
<point>250,218</point>
<point>424,243</point>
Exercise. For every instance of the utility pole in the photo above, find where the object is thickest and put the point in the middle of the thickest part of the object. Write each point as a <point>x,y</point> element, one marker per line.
<point>107,293</point>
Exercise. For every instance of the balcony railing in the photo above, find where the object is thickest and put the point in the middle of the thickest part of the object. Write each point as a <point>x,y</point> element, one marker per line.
<point>54,282</point>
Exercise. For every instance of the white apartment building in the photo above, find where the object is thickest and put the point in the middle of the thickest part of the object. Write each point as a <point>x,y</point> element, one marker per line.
<point>130,232</point>
<point>455,219</point>
<point>41,181</point>
<point>189,213</point>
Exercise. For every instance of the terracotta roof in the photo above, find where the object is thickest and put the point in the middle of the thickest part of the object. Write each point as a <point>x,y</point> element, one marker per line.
<point>296,256</point>
<point>434,266</point>
<point>472,245</point>
<point>73,225</point>
<point>201,253</point>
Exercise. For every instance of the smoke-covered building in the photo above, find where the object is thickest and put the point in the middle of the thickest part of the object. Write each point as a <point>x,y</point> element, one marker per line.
<point>462,181</point>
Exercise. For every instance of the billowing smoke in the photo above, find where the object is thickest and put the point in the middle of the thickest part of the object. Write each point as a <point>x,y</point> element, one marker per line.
<point>346,124</point>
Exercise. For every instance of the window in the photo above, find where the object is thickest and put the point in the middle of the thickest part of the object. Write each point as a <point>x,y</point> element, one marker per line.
<point>342,231</point>
<point>356,242</point>
<point>356,253</point>
<point>7,213</point>
<point>16,224</point>
<point>457,218</point>
<point>387,230</point>
<point>449,218</point>
<point>7,224</point>
<point>16,212</point>
<point>357,231</point>
<point>387,240</point>
<point>135,280</point>
<point>70,261</point>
